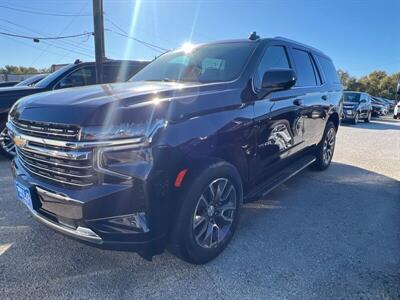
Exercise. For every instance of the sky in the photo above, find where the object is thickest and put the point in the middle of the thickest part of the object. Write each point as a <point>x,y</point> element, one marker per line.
<point>359,35</point>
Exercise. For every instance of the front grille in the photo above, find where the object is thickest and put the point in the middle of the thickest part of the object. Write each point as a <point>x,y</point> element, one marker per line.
<point>70,172</point>
<point>48,130</point>
<point>57,163</point>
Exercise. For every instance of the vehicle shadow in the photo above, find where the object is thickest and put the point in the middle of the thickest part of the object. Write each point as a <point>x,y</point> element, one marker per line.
<point>321,235</point>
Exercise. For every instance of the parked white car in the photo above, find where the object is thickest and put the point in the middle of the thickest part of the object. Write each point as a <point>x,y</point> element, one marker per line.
<point>396,112</point>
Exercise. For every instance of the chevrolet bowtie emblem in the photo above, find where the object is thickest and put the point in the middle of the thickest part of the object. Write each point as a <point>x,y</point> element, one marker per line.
<point>19,141</point>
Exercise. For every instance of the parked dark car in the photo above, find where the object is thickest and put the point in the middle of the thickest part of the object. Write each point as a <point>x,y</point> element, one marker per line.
<point>168,158</point>
<point>379,107</point>
<point>31,81</point>
<point>357,106</point>
<point>73,75</point>
<point>8,83</point>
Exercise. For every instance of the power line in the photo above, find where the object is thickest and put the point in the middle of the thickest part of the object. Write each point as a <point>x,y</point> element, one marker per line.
<point>125,34</point>
<point>151,46</point>
<point>66,43</point>
<point>37,12</point>
<point>36,39</point>
<point>57,46</point>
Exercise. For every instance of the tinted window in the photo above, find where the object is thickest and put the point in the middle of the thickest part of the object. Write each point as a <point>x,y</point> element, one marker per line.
<point>352,97</point>
<point>329,70</point>
<point>275,57</point>
<point>120,72</point>
<point>304,68</point>
<point>209,63</point>
<point>80,77</point>
<point>45,82</point>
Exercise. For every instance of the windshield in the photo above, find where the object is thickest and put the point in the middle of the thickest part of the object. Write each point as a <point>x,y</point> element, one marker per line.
<point>210,63</point>
<point>31,80</point>
<point>352,97</point>
<point>50,78</point>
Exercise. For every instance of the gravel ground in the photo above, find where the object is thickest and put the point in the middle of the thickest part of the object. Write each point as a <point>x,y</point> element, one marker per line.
<point>325,235</point>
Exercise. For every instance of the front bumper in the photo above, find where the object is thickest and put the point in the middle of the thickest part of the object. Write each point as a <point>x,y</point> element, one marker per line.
<point>349,114</point>
<point>89,215</point>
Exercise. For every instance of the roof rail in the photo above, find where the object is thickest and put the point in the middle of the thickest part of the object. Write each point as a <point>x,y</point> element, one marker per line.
<point>281,38</point>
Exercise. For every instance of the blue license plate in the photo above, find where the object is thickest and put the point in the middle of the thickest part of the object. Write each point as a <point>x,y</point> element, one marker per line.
<point>24,195</point>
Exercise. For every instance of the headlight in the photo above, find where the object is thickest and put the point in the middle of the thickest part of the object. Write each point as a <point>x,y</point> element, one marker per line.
<point>125,162</point>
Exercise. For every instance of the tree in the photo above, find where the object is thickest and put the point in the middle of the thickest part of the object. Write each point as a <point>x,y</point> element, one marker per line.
<point>9,69</point>
<point>377,83</point>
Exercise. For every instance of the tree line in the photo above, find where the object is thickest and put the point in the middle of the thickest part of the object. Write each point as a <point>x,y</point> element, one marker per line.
<point>20,70</point>
<point>377,83</point>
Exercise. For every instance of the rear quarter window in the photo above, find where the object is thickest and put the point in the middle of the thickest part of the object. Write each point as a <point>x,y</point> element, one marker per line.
<point>329,69</point>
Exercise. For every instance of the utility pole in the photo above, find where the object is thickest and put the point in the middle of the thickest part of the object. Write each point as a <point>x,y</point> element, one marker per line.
<point>98,24</point>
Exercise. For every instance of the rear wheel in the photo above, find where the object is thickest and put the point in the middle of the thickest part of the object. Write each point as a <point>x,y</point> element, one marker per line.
<point>7,147</point>
<point>209,214</point>
<point>325,149</point>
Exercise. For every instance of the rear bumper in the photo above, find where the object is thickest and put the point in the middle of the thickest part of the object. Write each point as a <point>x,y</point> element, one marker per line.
<point>95,216</point>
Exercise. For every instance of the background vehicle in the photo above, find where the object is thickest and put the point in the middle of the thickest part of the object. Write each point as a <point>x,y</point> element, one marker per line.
<point>379,107</point>
<point>168,158</point>
<point>31,81</point>
<point>8,83</point>
<point>357,105</point>
<point>73,75</point>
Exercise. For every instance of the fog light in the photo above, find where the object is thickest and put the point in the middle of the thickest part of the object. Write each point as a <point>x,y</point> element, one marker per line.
<point>135,221</point>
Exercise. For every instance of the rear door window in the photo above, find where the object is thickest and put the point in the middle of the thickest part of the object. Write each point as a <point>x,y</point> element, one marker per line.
<point>329,69</point>
<point>304,68</point>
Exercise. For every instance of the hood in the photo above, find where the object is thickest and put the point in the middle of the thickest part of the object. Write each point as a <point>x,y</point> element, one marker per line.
<point>121,103</point>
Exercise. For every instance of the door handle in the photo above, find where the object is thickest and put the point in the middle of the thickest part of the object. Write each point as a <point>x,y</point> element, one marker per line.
<point>298,102</point>
<point>324,97</point>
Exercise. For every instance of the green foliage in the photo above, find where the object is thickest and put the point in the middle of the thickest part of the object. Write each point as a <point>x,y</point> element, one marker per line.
<point>377,83</point>
<point>9,69</point>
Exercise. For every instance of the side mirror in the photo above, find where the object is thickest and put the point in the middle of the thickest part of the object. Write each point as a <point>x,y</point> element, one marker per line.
<point>278,80</point>
<point>363,101</point>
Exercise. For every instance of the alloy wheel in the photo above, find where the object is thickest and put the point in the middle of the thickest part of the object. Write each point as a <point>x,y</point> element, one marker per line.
<point>6,143</point>
<point>215,213</point>
<point>329,146</point>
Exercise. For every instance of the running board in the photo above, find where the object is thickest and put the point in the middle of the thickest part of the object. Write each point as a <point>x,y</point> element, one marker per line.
<point>279,178</point>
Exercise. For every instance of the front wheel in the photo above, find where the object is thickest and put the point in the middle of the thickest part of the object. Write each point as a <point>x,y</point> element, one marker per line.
<point>7,146</point>
<point>355,120</point>
<point>209,214</point>
<point>325,149</point>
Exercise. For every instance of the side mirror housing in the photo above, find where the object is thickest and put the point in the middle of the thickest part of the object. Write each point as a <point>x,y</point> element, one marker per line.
<point>277,80</point>
<point>363,101</point>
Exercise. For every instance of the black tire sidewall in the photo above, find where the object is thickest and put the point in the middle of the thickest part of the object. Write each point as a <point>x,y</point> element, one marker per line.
<point>190,250</point>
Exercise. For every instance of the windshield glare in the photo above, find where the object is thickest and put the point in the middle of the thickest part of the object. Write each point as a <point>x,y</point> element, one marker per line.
<point>352,97</point>
<point>50,78</point>
<point>204,64</point>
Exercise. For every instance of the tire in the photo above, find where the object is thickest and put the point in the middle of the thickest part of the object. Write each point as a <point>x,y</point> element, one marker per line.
<point>325,149</point>
<point>7,147</point>
<point>200,221</point>
<point>355,120</point>
<point>394,117</point>
<point>368,118</point>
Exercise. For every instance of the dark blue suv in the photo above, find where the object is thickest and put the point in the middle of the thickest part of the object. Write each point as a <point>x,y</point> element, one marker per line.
<point>167,159</point>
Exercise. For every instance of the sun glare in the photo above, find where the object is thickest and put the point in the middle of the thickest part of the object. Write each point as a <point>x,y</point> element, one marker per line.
<point>187,47</point>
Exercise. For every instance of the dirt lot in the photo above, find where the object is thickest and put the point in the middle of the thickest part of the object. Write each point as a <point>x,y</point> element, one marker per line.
<point>334,234</point>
